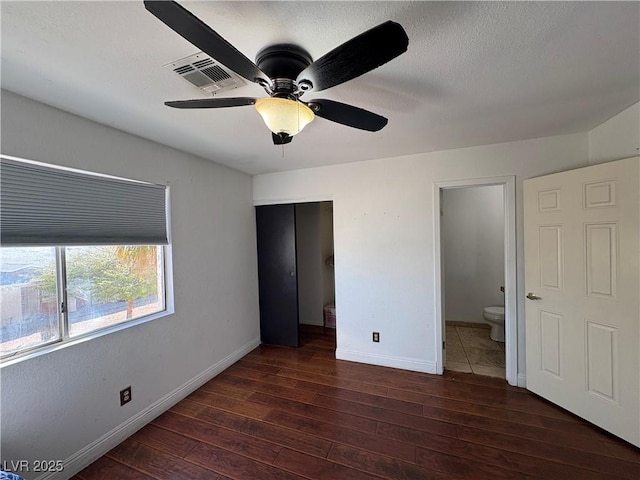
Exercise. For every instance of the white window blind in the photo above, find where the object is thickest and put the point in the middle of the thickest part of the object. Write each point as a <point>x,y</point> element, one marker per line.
<point>45,205</point>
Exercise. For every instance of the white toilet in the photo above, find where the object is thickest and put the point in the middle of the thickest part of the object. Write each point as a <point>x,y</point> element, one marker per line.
<point>494,315</point>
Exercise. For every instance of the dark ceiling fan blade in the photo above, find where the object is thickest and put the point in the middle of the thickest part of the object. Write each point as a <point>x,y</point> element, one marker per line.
<point>359,55</point>
<point>206,39</point>
<point>212,102</point>
<point>348,115</point>
<point>281,138</point>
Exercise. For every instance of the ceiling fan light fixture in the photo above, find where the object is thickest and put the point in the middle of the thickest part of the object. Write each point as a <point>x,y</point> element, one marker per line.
<point>282,115</point>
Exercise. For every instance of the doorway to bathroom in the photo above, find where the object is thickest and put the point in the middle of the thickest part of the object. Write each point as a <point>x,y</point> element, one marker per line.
<point>475,277</point>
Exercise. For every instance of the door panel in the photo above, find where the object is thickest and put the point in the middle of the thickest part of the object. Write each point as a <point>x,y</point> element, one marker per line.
<point>551,343</point>
<point>582,263</point>
<point>278,285</point>
<point>549,200</point>
<point>602,374</point>
<point>601,261</point>
<point>551,256</point>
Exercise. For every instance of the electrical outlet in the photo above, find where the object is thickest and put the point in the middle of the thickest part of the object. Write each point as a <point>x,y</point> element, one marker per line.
<point>125,395</point>
<point>376,337</point>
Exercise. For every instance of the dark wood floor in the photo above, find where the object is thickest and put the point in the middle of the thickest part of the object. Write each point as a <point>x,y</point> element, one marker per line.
<point>284,413</point>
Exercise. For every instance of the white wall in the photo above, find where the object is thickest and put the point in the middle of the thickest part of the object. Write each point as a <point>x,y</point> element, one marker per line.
<point>472,233</point>
<point>383,237</point>
<point>617,138</point>
<point>309,263</point>
<point>59,403</point>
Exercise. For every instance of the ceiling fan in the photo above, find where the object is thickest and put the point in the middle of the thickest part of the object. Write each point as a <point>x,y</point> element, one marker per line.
<point>287,72</point>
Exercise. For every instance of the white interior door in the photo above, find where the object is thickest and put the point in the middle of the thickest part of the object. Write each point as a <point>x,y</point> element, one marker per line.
<point>582,261</point>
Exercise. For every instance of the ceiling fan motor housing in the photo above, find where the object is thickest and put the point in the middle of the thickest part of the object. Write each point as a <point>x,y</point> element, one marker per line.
<point>283,63</point>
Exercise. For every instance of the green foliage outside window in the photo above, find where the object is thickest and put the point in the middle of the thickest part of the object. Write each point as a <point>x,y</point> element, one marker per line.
<point>107,274</point>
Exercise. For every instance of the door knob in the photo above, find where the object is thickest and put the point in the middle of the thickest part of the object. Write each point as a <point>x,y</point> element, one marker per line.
<point>533,296</point>
<point>292,274</point>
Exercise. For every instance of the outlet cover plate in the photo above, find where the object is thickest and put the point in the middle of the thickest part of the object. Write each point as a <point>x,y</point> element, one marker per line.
<point>125,395</point>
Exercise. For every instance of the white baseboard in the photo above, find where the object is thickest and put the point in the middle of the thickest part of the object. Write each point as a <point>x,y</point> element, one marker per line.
<point>522,380</point>
<point>98,448</point>
<point>387,361</point>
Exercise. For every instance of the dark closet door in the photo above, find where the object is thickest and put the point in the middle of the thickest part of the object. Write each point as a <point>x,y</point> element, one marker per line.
<point>278,285</point>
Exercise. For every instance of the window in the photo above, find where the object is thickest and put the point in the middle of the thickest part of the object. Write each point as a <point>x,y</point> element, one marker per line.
<point>109,285</point>
<point>80,253</point>
<point>102,286</point>
<point>29,313</point>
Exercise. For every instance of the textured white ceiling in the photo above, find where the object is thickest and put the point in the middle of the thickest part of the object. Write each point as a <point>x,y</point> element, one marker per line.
<point>475,73</point>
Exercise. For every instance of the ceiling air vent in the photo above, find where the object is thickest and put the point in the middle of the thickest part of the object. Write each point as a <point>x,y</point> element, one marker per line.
<point>205,73</point>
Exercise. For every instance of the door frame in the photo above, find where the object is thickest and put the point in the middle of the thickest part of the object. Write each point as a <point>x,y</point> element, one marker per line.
<point>510,271</point>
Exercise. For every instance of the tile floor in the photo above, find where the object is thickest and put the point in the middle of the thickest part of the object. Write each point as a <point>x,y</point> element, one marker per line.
<point>471,350</point>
